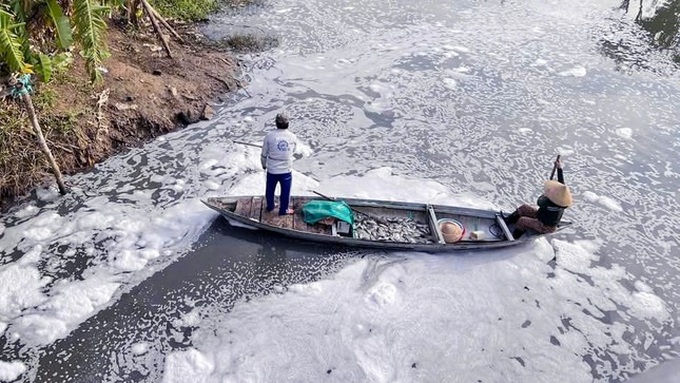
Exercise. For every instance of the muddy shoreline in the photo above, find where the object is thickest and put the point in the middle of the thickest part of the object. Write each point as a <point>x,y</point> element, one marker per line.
<point>144,94</point>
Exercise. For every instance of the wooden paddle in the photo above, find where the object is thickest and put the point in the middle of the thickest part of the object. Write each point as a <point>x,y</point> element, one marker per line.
<point>554,167</point>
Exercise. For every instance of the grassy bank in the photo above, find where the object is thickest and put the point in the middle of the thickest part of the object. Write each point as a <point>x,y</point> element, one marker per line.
<point>22,165</point>
<point>187,10</point>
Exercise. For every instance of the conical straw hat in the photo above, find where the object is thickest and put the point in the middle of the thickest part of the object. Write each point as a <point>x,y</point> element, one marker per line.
<point>558,193</point>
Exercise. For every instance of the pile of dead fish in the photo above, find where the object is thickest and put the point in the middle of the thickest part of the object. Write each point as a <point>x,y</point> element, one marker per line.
<point>391,229</point>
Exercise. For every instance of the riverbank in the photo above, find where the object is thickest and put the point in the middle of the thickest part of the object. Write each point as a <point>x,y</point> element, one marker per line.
<point>144,94</point>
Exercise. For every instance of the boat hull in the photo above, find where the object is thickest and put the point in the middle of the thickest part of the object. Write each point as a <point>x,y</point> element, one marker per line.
<point>391,225</point>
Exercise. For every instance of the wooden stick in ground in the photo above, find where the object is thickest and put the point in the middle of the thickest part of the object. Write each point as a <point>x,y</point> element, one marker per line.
<point>132,6</point>
<point>28,103</point>
<point>167,26</point>
<point>154,22</point>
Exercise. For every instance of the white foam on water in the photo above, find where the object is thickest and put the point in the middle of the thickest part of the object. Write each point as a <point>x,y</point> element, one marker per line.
<point>254,184</point>
<point>20,288</point>
<point>191,318</point>
<point>384,320</point>
<point>646,305</point>
<point>625,132</point>
<point>71,304</point>
<point>491,316</point>
<point>26,211</point>
<point>10,371</point>
<point>577,71</point>
<point>605,201</point>
<point>139,238</point>
<point>139,348</point>
<point>540,62</point>
<point>450,83</point>
<point>381,183</point>
<point>666,372</point>
<point>47,194</point>
<point>187,366</point>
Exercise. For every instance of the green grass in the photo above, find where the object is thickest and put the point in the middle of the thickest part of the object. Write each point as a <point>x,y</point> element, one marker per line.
<point>11,118</point>
<point>64,124</point>
<point>45,98</point>
<point>189,10</point>
<point>196,10</point>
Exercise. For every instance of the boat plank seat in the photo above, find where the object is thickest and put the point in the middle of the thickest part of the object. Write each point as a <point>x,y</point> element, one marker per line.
<point>504,227</point>
<point>256,210</point>
<point>434,228</point>
<point>243,206</point>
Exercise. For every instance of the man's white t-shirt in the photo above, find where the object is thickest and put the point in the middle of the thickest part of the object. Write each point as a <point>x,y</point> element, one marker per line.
<point>277,151</point>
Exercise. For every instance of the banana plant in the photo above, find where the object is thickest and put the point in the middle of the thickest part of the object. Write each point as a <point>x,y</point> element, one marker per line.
<point>90,24</point>
<point>11,43</point>
<point>62,24</point>
<point>85,27</point>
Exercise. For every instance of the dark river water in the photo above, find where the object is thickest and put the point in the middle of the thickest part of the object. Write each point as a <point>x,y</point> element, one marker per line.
<point>131,279</point>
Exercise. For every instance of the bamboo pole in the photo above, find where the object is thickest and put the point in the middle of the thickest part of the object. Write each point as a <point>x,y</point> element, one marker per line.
<point>156,27</point>
<point>28,103</point>
<point>248,144</point>
<point>166,25</point>
<point>554,167</point>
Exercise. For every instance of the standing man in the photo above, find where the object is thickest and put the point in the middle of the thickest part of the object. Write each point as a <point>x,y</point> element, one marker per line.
<point>277,159</point>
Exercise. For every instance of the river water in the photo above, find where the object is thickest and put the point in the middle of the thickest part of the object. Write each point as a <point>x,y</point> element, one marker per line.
<point>129,278</point>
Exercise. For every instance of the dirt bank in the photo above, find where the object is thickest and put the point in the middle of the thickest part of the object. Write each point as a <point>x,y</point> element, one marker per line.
<point>144,94</point>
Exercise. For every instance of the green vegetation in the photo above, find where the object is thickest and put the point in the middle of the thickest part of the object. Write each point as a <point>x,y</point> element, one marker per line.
<point>37,36</point>
<point>64,122</point>
<point>17,163</point>
<point>34,32</point>
<point>63,44</point>
<point>190,10</point>
<point>196,10</point>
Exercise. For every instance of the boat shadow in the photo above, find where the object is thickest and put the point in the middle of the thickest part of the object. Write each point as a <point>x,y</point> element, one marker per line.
<point>271,244</point>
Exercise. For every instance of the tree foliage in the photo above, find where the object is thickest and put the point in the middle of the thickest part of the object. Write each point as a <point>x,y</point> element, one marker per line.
<point>61,23</point>
<point>90,31</point>
<point>59,26</point>
<point>11,43</point>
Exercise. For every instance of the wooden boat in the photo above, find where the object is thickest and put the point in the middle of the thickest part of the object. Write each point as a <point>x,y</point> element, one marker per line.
<point>395,225</point>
